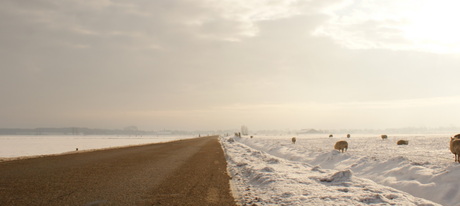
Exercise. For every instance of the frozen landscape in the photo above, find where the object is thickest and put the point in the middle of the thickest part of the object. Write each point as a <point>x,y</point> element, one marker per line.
<point>14,146</point>
<point>271,170</point>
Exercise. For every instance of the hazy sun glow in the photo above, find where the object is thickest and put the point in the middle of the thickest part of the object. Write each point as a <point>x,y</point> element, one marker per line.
<point>421,25</point>
<point>434,26</point>
<point>216,64</point>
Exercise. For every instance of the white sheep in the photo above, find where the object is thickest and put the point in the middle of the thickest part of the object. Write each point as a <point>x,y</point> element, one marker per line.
<point>341,146</point>
<point>455,147</point>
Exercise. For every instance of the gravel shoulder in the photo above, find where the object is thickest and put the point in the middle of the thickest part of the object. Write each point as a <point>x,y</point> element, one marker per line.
<point>185,172</point>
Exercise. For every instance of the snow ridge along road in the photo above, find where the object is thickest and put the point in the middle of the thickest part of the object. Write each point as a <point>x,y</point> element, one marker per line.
<point>274,171</point>
<point>185,172</point>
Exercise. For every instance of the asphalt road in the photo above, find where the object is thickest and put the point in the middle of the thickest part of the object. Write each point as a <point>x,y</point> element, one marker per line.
<point>186,172</point>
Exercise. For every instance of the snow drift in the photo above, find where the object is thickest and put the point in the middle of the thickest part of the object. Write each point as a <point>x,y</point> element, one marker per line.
<point>269,170</point>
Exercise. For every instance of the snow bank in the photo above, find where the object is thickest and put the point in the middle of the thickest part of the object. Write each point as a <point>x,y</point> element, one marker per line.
<point>273,171</point>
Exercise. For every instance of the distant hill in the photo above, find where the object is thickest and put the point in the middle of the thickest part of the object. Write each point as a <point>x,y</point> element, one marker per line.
<point>311,131</point>
<point>131,130</point>
<point>65,131</point>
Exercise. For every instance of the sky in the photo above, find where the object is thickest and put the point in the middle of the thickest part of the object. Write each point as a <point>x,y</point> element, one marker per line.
<point>219,64</point>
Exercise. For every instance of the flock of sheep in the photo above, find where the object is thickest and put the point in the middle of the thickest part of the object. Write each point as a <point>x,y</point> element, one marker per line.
<point>454,144</point>
<point>342,145</point>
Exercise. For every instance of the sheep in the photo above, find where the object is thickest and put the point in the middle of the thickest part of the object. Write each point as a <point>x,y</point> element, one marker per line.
<point>384,136</point>
<point>348,135</point>
<point>455,147</point>
<point>331,135</point>
<point>293,140</point>
<point>403,142</point>
<point>341,146</point>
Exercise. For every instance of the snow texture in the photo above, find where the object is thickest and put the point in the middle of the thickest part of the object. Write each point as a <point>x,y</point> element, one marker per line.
<point>271,170</point>
<point>17,147</point>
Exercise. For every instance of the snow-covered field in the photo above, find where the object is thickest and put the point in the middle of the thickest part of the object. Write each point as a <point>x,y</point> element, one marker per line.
<point>12,147</point>
<point>270,170</point>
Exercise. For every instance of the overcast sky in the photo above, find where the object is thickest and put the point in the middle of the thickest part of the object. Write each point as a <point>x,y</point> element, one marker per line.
<point>218,64</point>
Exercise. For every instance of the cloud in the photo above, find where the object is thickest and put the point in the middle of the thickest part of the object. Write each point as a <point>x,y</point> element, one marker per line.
<point>160,61</point>
<point>425,25</point>
<point>135,25</point>
<point>337,115</point>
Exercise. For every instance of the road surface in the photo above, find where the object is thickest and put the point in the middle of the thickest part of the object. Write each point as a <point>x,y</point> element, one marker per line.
<point>185,172</point>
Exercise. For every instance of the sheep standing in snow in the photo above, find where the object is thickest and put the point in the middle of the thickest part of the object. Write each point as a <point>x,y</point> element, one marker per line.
<point>455,147</point>
<point>384,136</point>
<point>331,135</point>
<point>341,146</point>
<point>348,135</point>
<point>403,142</point>
<point>293,140</point>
